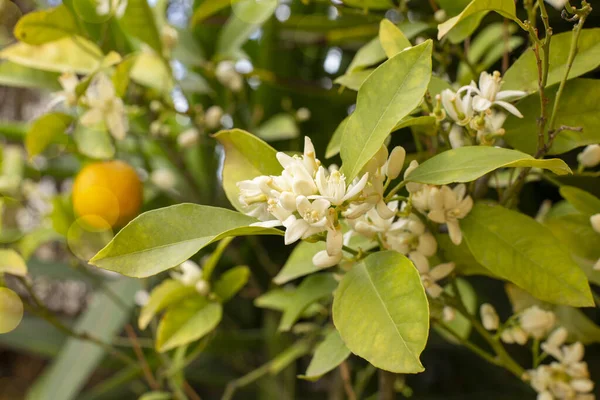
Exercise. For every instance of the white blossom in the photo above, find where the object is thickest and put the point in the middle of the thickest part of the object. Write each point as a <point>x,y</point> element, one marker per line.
<point>460,110</point>
<point>590,156</point>
<point>190,273</point>
<point>448,206</point>
<point>188,138</point>
<point>537,322</point>
<point>558,4</point>
<point>514,335</point>
<point>212,117</point>
<point>430,276</point>
<point>489,317</point>
<point>105,107</point>
<point>313,219</point>
<point>105,7</point>
<point>332,186</point>
<point>324,260</point>
<point>488,94</point>
<point>68,81</point>
<point>202,287</point>
<point>228,76</point>
<point>456,136</point>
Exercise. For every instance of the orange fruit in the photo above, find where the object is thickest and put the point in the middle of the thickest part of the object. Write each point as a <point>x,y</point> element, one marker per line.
<point>107,193</point>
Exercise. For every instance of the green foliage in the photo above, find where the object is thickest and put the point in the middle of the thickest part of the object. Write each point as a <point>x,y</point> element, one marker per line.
<point>583,201</point>
<point>386,287</point>
<point>16,75</point>
<point>330,353</point>
<point>466,164</point>
<point>231,282</point>
<point>138,21</point>
<point>278,127</point>
<point>45,26</point>
<point>185,229</point>
<point>392,39</point>
<point>579,108</point>
<point>299,263</point>
<point>382,103</point>
<point>168,293</point>
<point>45,130</point>
<point>12,263</point>
<point>525,253</point>
<point>473,12</point>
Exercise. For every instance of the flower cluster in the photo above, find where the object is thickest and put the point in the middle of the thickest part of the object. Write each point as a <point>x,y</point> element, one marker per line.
<point>472,108</point>
<point>191,275</point>
<point>566,378</point>
<point>532,322</point>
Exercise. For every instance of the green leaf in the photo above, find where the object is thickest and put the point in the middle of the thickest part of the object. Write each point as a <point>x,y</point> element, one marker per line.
<point>64,55</point>
<point>246,18</point>
<point>16,75</point>
<point>577,236</point>
<point>156,396</point>
<point>138,21</point>
<point>437,85</point>
<point>370,54</point>
<point>87,11</point>
<point>392,39</point>
<point>278,127</point>
<point>209,8</point>
<point>123,73</point>
<point>299,263</point>
<point>506,8</point>
<point>231,282</point>
<point>466,164</point>
<point>282,299</point>
<point>330,353</point>
<point>525,253</point>
<point>44,131</point>
<point>381,312</point>
<point>579,107</point>
<point>12,263</point>
<point>45,26</point>
<point>586,203</point>
<point>355,79</point>
<point>246,157</point>
<point>453,7</point>
<point>189,321</point>
<point>369,4</point>
<point>461,256</point>
<point>77,361</point>
<point>414,121</point>
<point>32,240</point>
<point>94,143</point>
<point>184,229</point>
<point>168,293</point>
<point>333,148</point>
<point>461,324</point>
<point>312,289</point>
<point>151,71</point>
<point>523,74</point>
<point>390,93</point>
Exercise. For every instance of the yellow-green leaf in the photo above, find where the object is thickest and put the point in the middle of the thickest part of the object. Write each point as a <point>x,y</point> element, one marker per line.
<point>168,293</point>
<point>45,26</point>
<point>392,39</point>
<point>44,131</point>
<point>330,353</point>
<point>12,263</point>
<point>506,8</point>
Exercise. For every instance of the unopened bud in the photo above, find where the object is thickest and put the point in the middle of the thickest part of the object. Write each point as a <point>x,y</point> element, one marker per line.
<point>212,117</point>
<point>456,137</point>
<point>427,245</point>
<point>324,260</point>
<point>411,167</point>
<point>396,162</point>
<point>448,314</point>
<point>590,156</point>
<point>595,221</point>
<point>303,114</point>
<point>188,138</point>
<point>169,36</point>
<point>519,335</point>
<point>557,338</point>
<point>440,15</point>
<point>489,317</point>
<point>202,287</point>
<point>537,322</point>
<point>163,179</point>
<point>381,156</point>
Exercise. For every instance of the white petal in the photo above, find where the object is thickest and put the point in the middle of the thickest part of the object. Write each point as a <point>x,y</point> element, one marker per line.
<point>438,216</point>
<point>454,231</point>
<point>92,117</point>
<point>335,241</point>
<point>324,260</point>
<point>285,160</point>
<point>510,108</point>
<point>268,224</point>
<point>355,190</point>
<point>420,262</point>
<point>295,231</point>
<point>510,95</point>
<point>441,271</point>
<point>481,104</point>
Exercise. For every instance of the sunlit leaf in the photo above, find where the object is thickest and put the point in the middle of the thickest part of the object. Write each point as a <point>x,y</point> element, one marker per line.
<point>506,8</point>
<point>12,263</point>
<point>39,27</point>
<point>231,282</point>
<point>44,131</point>
<point>330,353</point>
<point>168,293</point>
<point>392,39</point>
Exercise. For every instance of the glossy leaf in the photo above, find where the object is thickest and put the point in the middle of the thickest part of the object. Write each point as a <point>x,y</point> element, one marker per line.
<point>461,256</point>
<point>166,294</point>
<point>506,8</point>
<point>333,148</point>
<point>381,312</point>
<point>390,93</point>
<point>370,54</point>
<point>189,321</point>
<point>586,203</point>
<point>579,107</point>
<point>16,75</point>
<point>355,79</point>
<point>184,229</point>
<point>246,157</point>
<point>12,263</point>
<point>94,143</point>
<point>64,55</point>
<point>209,8</point>
<point>278,127</point>
<point>44,131</point>
<point>312,289</point>
<point>139,22</point>
<point>525,253</point>
<point>369,4</point>
<point>466,164</point>
<point>150,70</point>
<point>523,74</point>
<point>87,10</point>
<point>414,121</point>
<point>231,282</point>
<point>45,26</point>
<point>330,353</point>
<point>299,263</point>
<point>281,299</point>
<point>392,39</point>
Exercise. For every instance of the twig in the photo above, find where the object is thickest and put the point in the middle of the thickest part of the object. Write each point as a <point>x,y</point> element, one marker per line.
<point>140,356</point>
<point>386,385</point>
<point>190,392</point>
<point>347,379</point>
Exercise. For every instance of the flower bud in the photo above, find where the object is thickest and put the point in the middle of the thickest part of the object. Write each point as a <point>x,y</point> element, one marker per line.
<point>519,335</point>
<point>169,36</point>
<point>507,336</point>
<point>557,338</point>
<point>595,221</point>
<point>303,114</point>
<point>324,260</point>
<point>448,314</point>
<point>163,179</point>
<point>590,156</point>
<point>546,395</point>
<point>212,117</point>
<point>537,322</point>
<point>582,385</point>
<point>141,298</point>
<point>335,241</point>
<point>188,138</point>
<point>489,317</point>
<point>427,244</point>
<point>396,162</point>
<point>573,353</point>
<point>202,287</point>
<point>456,137</point>
<point>440,15</point>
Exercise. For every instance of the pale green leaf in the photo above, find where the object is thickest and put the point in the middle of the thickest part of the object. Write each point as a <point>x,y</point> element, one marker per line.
<point>414,121</point>
<point>281,299</point>
<point>392,39</point>
<point>312,289</point>
<point>579,107</point>
<point>69,54</point>
<point>381,311</point>
<point>137,250</point>
<point>151,71</point>
<point>278,127</point>
<point>453,7</point>
<point>87,11</point>
<point>156,396</point>
<point>523,74</point>
<point>16,75</point>
<point>370,54</point>
<point>299,263</point>
<point>333,148</point>
<point>466,164</point>
<point>506,8</point>
<point>189,321</point>
<point>44,131</point>
<point>246,157</point>
<point>94,143</point>
<point>369,4</point>
<point>45,26</point>
<point>586,203</point>
<point>390,93</point>
<point>138,21</point>
<point>330,353</point>
<point>577,236</point>
<point>353,80</point>
<point>12,263</point>
<point>209,8</point>
<point>437,85</point>
<point>525,253</point>
<point>461,256</point>
<point>168,293</point>
<point>122,74</point>
<point>231,282</point>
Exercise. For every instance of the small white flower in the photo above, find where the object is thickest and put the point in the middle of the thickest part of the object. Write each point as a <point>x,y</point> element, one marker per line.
<point>202,287</point>
<point>105,106</point>
<point>514,335</point>
<point>489,317</point>
<point>460,110</point>
<point>492,127</point>
<point>163,178</point>
<point>448,314</point>
<point>488,94</point>
<point>590,156</point>
<point>453,204</point>
<point>430,276</point>
<point>313,219</point>
<point>190,273</point>
<point>412,186</point>
<point>537,322</point>
<point>105,7</point>
<point>332,186</point>
<point>595,221</point>
<point>558,4</point>
<point>212,117</point>
<point>69,82</point>
<point>188,138</point>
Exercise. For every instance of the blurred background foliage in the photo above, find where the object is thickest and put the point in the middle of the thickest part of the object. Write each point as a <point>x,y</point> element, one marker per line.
<point>290,61</point>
